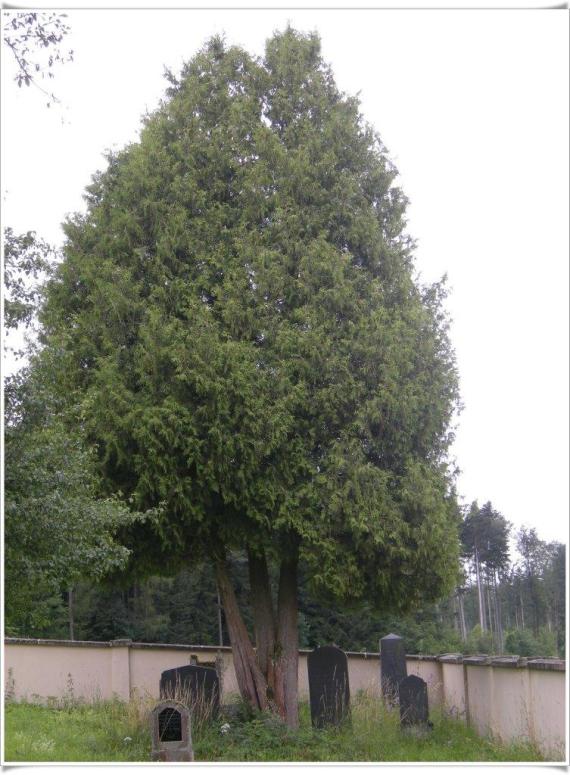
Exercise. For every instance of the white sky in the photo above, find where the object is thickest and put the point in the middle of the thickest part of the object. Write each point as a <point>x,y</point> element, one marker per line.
<point>473,107</point>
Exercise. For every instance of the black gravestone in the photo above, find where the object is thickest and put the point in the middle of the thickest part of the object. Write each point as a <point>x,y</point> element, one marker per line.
<point>196,686</point>
<point>414,702</point>
<point>392,665</point>
<point>329,690</point>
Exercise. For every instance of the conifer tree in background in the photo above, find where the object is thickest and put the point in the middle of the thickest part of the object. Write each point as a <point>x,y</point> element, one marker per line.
<point>238,324</point>
<point>485,542</point>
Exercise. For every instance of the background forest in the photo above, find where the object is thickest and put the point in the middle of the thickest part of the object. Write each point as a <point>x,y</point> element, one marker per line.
<point>505,606</point>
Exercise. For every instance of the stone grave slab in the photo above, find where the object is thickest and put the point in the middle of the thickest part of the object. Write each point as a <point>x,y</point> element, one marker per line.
<point>328,686</point>
<point>393,668</point>
<point>414,710</point>
<point>197,687</point>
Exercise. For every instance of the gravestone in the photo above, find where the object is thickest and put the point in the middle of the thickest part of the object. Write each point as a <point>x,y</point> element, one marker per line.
<point>198,687</point>
<point>392,666</point>
<point>414,711</point>
<point>170,733</point>
<point>329,689</point>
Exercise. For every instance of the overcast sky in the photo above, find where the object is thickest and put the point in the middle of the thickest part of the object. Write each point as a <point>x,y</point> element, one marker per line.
<point>473,108</point>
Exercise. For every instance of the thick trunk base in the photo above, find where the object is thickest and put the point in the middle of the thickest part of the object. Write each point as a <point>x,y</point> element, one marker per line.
<point>250,679</point>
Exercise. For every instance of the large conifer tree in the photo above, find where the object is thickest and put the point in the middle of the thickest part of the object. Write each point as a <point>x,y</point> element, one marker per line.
<point>237,317</point>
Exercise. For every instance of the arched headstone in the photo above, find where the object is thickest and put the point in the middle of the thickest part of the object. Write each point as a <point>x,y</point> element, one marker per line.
<point>414,711</point>
<point>328,686</point>
<point>170,733</point>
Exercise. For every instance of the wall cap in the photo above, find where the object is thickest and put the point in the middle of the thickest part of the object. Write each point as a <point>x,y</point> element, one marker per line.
<point>477,659</point>
<point>542,663</point>
<point>451,659</point>
<point>55,642</point>
<point>509,661</point>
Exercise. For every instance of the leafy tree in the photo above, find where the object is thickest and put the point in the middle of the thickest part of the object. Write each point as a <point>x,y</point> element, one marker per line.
<point>479,641</point>
<point>525,644</point>
<point>541,568</point>
<point>104,612</point>
<point>555,587</point>
<point>35,42</point>
<point>28,260</point>
<point>56,528</point>
<point>237,316</point>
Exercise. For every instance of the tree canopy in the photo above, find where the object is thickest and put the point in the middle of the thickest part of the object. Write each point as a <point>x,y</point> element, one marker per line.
<point>238,319</point>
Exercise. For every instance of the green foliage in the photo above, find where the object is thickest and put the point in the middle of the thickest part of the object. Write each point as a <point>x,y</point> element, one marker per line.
<point>541,578</point>
<point>57,528</point>
<point>28,260</point>
<point>525,644</point>
<point>182,609</point>
<point>485,532</point>
<point>479,642</point>
<point>238,312</point>
<point>119,732</point>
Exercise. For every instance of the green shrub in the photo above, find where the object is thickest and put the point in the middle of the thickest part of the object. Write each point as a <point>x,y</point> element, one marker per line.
<point>525,644</point>
<point>479,642</point>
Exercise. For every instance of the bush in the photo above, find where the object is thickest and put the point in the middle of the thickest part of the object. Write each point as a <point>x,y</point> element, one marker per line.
<point>525,644</point>
<point>479,642</point>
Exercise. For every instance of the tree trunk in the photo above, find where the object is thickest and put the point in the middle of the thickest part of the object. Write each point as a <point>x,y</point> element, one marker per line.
<point>250,679</point>
<point>480,594</point>
<point>487,589</point>
<point>498,614</point>
<point>220,628</point>
<point>263,617</point>
<point>463,628</point>
<point>70,613</point>
<point>287,665</point>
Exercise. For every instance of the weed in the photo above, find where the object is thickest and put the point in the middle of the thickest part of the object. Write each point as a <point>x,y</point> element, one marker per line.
<point>10,689</point>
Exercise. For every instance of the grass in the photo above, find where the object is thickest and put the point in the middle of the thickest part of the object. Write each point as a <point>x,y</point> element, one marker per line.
<point>119,732</point>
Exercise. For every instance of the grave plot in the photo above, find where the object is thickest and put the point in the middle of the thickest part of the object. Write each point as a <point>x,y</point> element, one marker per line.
<point>196,686</point>
<point>328,686</point>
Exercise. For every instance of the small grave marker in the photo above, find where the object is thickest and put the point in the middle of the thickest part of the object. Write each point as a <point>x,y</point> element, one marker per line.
<point>414,711</point>
<point>328,686</point>
<point>392,665</point>
<point>170,733</point>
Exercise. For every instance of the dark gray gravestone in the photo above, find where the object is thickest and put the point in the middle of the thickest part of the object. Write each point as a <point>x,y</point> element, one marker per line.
<point>198,687</point>
<point>170,732</point>
<point>414,710</point>
<point>329,690</point>
<point>392,665</point>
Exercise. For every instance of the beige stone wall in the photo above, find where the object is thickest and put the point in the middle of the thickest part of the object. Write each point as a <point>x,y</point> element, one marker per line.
<point>505,697</point>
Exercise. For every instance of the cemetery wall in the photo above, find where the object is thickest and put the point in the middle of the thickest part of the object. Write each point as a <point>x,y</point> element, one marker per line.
<point>506,696</point>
